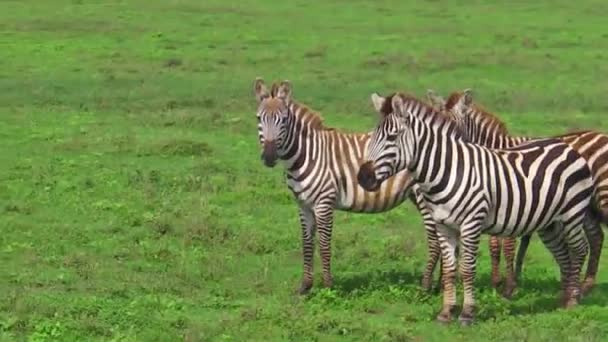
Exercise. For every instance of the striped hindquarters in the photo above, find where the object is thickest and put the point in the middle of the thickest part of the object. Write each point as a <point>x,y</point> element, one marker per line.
<point>593,147</point>
<point>347,154</point>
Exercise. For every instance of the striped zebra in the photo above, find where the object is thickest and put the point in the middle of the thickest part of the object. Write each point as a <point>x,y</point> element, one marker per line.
<point>321,166</point>
<point>480,126</point>
<point>543,186</point>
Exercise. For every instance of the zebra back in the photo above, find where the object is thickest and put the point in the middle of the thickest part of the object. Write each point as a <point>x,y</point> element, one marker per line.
<point>483,127</point>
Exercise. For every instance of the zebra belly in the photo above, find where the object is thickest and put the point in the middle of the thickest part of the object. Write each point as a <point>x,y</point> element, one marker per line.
<point>442,215</point>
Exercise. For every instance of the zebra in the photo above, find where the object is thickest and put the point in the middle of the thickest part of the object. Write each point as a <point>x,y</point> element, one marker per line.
<point>321,166</point>
<point>543,185</point>
<point>482,127</point>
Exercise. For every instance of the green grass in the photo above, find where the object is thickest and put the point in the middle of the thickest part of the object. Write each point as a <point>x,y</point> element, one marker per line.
<point>134,205</point>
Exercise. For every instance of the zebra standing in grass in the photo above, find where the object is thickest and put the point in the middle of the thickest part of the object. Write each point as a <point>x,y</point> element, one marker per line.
<point>321,166</point>
<point>543,185</point>
<point>482,127</point>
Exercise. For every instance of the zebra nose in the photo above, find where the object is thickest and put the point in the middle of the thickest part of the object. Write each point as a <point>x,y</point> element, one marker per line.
<point>269,153</point>
<point>367,177</point>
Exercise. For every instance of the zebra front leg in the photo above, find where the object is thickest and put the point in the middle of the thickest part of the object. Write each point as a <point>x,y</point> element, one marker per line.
<point>324,216</point>
<point>434,251</point>
<point>307,221</point>
<point>508,248</point>
<point>470,235</point>
<point>595,237</point>
<point>495,245</point>
<point>448,241</point>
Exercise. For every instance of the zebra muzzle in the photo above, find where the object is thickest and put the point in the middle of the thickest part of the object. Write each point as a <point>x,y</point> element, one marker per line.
<point>367,177</point>
<point>269,153</point>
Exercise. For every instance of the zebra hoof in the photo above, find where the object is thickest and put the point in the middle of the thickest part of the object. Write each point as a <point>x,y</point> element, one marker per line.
<point>571,303</point>
<point>466,317</point>
<point>507,293</point>
<point>587,286</point>
<point>496,283</point>
<point>445,316</point>
<point>444,319</point>
<point>465,321</point>
<point>426,285</point>
<point>304,289</point>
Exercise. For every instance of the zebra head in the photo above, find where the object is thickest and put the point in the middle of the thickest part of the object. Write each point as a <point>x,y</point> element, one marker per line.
<point>458,105</point>
<point>390,149</point>
<point>273,115</point>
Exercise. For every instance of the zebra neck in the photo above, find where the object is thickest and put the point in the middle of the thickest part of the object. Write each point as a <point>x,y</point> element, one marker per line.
<point>299,144</point>
<point>432,157</point>
<point>484,130</point>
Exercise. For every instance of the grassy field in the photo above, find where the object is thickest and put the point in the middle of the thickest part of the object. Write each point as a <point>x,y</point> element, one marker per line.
<point>134,205</point>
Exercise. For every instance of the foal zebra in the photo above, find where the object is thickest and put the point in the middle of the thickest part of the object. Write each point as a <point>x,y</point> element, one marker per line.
<point>321,166</point>
<point>543,185</point>
<point>482,127</point>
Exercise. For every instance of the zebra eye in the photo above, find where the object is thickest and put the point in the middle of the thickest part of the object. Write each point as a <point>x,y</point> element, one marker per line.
<point>391,137</point>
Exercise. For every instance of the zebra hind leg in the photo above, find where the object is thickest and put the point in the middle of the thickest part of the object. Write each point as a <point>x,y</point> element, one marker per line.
<point>595,237</point>
<point>553,238</point>
<point>495,246</point>
<point>307,222</point>
<point>508,246</point>
<point>578,248</point>
<point>521,254</point>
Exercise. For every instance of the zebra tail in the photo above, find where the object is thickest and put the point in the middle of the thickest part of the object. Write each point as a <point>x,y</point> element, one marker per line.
<point>521,254</point>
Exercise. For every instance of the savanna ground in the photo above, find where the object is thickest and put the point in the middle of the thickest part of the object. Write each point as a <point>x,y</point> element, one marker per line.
<point>134,205</point>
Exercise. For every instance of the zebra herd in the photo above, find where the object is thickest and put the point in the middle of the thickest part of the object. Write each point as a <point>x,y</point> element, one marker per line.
<point>462,170</point>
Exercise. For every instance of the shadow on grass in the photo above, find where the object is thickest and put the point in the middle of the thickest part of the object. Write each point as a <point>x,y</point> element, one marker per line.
<point>376,280</point>
<point>533,296</point>
<point>543,295</point>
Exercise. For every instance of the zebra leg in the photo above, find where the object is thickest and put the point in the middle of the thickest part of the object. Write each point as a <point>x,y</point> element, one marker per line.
<point>434,251</point>
<point>578,248</point>
<point>448,240</point>
<point>595,237</point>
<point>554,239</point>
<point>521,254</point>
<point>470,236</point>
<point>508,248</point>
<point>307,221</point>
<point>324,215</point>
<point>495,258</point>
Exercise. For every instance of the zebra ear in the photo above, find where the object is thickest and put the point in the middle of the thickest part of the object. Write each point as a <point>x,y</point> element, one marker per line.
<point>435,100</point>
<point>397,104</point>
<point>467,97</point>
<point>378,102</point>
<point>259,89</point>
<point>284,91</point>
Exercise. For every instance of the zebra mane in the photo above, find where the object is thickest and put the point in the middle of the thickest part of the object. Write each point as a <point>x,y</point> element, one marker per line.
<point>314,119</point>
<point>387,106</point>
<point>483,114</point>
<point>435,119</point>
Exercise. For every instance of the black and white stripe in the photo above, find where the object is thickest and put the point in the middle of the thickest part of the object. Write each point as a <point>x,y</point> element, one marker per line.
<point>321,169</point>
<point>543,186</point>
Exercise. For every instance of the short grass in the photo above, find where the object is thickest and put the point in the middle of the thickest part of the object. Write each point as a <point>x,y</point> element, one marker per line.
<point>134,205</point>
